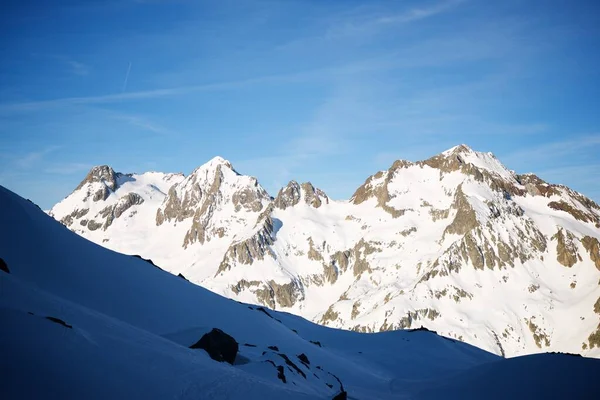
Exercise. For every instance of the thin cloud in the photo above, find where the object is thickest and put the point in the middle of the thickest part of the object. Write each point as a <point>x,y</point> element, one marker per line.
<point>371,24</point>
<point>78,68</point>
<point>416,14</point>
<point>73,66</point>
<point>30,159</point>
<point>555,151</point>
<point>67,168</point>
<point>144,123</point>
<point>153,93</point>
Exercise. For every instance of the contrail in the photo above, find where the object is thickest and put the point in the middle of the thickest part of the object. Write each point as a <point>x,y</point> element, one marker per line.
<point>126,77</point>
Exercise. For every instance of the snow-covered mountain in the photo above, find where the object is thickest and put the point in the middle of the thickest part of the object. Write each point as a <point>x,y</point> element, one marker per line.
<point>456,243</point>
<point>81,321</point>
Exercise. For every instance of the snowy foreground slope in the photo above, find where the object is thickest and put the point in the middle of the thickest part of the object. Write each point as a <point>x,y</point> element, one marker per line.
<point>81,321</point>
<point>456,243</point>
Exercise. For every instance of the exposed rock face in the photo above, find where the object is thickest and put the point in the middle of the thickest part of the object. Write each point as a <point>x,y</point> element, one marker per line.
<point>254,248</point>
<point>110,213</point>
<point>566,249</point>
<point>376,186</point>
<point>209,191</point>
<point>465,218</point>
<point>535,186</point>
<point>592,245</point>
<point>76,214</point>
<point>284,295</point>
<point>219,346</point>
<point>313,196</point>
<point>294,193</point>
<point>101,174</point>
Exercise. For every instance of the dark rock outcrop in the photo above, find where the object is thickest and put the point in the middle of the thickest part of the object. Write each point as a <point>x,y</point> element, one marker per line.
<point>180,275</point>
<point>3,266</point>
<point>343,395</point>
<point>60,322</point>
<point>302,357</point>
<point>219,346</point>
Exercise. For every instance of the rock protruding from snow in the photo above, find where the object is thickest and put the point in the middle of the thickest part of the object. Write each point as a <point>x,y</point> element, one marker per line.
<point>219,346</point>
<point>294,193</point>
<point>4,267</point>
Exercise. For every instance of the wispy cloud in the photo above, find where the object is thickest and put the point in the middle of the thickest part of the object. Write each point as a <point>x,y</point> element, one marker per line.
<point>78,68</point>
<point>372,23</point>
<point>149,94</point>
<point>73,66</point>
<point>561,151</point>
<point>30,159</point>
<point>144,123</point>
<point>416,14</point>
<point>67,168</point>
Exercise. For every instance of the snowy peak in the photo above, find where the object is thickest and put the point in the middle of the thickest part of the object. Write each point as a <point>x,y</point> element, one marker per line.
<point>105,195</point>
<point>295,193</point>
<point>216,198</point>
<point>212,165</point>
<point>463,158</point>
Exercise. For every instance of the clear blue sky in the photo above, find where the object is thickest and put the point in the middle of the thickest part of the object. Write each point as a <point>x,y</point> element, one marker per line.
<point>326,91</point>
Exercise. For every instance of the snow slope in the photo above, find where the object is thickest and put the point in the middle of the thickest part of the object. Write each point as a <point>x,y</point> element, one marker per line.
<point>456,243</point>
<point>121,329</point>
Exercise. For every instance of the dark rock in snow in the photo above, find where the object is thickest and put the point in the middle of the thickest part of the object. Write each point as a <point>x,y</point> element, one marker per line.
<point>182,277</point>
<point>219,346</point>
<point>145,259</point>
<point>316,343</point>
<point>281,374</point>
<point>249,345</point>
<point>274,348</point>
<point>566,354</point>
<point>291,364</point>
<point>421,329</point>
<point>280,371</point>
<point>59,321</point>
<point>302,357</point>
<point>3,266</point>
<point>341,396</point>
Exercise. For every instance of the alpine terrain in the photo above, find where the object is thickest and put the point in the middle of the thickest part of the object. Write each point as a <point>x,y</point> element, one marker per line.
<point>457,243</point>
<point>82,321</point>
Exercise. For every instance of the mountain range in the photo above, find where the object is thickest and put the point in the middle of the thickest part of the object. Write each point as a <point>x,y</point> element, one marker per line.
<point>82,321</point>
<point>457,243</point>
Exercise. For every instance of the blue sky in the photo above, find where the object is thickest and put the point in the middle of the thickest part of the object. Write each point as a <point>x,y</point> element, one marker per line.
<point>326,91</point>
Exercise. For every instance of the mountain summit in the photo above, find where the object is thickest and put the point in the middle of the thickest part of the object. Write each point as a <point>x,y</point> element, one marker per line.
<point>457,243</point>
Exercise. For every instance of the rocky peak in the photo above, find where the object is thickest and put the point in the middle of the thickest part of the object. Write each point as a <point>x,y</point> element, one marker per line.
<point>460,149</point>
<point>101,173</point>
<point>213,188</point>
<point>104,175</point>
<point>478,164</point>
<point>294,192</point>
